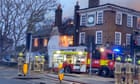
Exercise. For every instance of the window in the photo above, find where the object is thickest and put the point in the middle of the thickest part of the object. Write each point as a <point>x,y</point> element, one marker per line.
<point>119,18</point>
<point>129,21</point>
<point>83,20</point>
<point>36,42</point>
<point>98,37</point>
<point>128,39</point>
<point>91,19</point>
<point>45,42</point>
<point>100,17</point>
<point>82,38</point>
<point>138,23</point>
<point>117,38</point>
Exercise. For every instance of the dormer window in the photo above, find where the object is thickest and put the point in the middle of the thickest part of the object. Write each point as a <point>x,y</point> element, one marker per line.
<point>129,21</point>
<point>118,18</point>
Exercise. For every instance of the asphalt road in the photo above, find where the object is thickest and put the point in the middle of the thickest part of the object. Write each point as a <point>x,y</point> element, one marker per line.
<point>9,76</point>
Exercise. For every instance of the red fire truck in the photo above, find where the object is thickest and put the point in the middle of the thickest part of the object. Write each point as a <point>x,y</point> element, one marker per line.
<point>102,62</point>
<point>79,61</point>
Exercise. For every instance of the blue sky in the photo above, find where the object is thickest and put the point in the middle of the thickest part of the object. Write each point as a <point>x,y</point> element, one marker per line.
<point>68,5</point>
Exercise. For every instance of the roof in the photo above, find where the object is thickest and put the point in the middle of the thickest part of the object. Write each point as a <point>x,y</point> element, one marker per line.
<point>43,32</point>
<point>114,7</point>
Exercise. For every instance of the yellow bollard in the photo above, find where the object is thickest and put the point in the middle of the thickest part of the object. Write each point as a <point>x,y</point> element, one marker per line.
<point>25,69</point>
<point>60,73</point>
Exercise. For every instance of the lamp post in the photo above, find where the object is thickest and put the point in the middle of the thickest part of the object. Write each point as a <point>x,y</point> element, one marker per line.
<point>29,49</point>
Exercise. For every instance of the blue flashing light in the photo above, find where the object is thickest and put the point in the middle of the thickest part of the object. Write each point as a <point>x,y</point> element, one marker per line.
<point>116,50</point>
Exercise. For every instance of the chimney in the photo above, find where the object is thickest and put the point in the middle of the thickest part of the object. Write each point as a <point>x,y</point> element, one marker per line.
<point>58,16</point>
<point>93,3</point>
<point>77,24</point>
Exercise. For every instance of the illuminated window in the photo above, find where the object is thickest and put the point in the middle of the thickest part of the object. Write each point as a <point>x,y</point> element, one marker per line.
<point>65,41</point>
<point>36,42</point>
<point>70,40</point>
<point>45,42</point>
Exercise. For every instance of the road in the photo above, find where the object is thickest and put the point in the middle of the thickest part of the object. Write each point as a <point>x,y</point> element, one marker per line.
<point>9,76</point>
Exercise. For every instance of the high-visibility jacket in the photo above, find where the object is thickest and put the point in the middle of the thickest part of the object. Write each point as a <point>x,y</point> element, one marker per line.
<point>118,67</point>
<point>20,60</point>
<point>128,67</point>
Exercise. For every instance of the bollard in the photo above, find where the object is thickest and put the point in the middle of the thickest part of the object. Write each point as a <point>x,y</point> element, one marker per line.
<point>60,73</point>
<point>25,69</point>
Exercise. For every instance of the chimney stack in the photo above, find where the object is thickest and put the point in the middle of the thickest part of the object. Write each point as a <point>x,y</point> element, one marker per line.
<point>93,3</point>
<point>58,16</point>
<point>77,24</point>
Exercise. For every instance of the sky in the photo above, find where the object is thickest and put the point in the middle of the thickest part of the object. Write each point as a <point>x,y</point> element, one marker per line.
<point>68,5</point>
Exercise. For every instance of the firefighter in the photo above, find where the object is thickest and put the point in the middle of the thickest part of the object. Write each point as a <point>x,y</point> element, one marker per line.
<point>118,70</point>
<point>128,71</point>
<point>42,59</point>
<point>20,63</point>
<point>138,68</point>
<point>36,64</point>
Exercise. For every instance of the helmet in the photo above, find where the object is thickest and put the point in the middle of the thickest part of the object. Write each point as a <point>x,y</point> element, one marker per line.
<point>36,56</point>
<point>20,54</point>
<point>118,58</point>
<point>129,60</point>
<point>42,56</point>
<point>138,62</point>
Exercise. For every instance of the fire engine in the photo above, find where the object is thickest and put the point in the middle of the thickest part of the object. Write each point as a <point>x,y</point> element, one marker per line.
<point>103,62</point>
<point>73,59</point>
<point>79,60</point>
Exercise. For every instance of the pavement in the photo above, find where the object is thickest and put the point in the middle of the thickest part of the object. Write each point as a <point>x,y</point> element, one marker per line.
<point>41,78</point>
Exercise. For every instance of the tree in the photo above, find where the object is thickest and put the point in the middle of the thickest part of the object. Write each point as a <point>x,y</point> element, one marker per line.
<point>20,16</point>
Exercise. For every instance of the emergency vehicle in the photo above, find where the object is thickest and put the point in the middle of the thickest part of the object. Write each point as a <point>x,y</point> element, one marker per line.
<point>79,60</point>
<point>74,59</point>
<point>103,62</point>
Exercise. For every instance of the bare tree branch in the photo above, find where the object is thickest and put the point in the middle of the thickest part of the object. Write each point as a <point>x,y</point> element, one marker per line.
<point>19,16</point>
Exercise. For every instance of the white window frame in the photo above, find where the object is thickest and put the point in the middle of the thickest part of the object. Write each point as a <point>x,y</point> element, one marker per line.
<point>100,19</point>
<point>82,38</point>
<point>129,20</point>
<point>128,39</point>
<point>118,19</point>
<point>117,40</point>
<point>83,20</point>
<point>97,37</point>
<point>89,14</point>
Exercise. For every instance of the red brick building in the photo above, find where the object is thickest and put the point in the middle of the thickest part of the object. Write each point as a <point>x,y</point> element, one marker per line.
<point>110,25</point>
